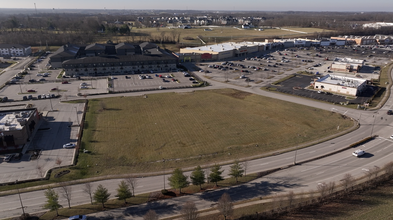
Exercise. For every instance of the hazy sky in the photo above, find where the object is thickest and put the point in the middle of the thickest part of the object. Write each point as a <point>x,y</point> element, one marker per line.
<point>255,5</point>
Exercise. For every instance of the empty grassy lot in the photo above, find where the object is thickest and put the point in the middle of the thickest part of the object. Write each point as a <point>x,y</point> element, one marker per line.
<point>134,134</point>
<point>215,35</point>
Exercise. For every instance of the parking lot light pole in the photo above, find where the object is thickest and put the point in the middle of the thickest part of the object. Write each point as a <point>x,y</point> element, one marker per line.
<point>51,106</point>
<point>20,199</point>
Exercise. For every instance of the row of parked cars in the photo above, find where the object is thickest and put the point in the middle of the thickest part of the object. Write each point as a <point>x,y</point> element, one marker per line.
<point>43,96</point>
<point>9,157</point>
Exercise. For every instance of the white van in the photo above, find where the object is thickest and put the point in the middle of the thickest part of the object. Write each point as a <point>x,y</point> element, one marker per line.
<point>358,153</point>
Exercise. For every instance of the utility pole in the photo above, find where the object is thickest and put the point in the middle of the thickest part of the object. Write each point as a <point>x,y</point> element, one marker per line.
<point>20,199</point>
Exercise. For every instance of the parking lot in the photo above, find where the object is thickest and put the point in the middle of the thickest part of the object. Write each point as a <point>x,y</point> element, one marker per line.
<point>56,128</point>
<point>262,70</point>
<point>152,81</point>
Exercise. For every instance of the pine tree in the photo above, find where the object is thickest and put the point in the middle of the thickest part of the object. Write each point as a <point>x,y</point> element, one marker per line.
<point>198,177</point>
<point>215,174</point>
<point>236,170</point>
<point>101,195</point>
<point>178,179</point>
<point>123,192</point>
<point>52,202</point>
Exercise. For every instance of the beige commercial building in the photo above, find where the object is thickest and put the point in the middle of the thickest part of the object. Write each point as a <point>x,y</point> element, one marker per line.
<point>16,127</point>
<point>341,84</point>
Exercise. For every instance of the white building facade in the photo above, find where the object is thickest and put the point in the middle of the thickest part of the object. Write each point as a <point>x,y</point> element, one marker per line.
<point>341,84</point>
<point>14,50</point>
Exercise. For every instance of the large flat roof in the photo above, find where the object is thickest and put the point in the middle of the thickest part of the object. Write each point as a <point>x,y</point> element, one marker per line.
<point>341,80</point>
<point>226,46</point>
<point>348,60</point>
<point>14,120</point>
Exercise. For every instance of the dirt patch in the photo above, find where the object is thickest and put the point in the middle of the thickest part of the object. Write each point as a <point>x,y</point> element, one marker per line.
<point>236,94</point>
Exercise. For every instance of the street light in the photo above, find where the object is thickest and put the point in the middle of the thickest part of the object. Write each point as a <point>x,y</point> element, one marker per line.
<point>294,160</point>
<point>164,171</point>
<point>372,128</point>
<point>20,199</point>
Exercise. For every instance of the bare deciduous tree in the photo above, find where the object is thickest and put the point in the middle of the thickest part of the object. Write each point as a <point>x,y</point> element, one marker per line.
<point>290,197</point>
<point>331,187</point>
<point>40,170</point>
<point>150,215</point>
<point>245,166</point>
<point>189,211</point>
<point>58,161</point>
<point>102,106</point>
<point>66,192</point>
<point>133,182</point>
<point>207,172</point>
<point>347,181</point>
<point>88,189</point>
<point>375,171</point>
<point>311,194</point>
<point>389,168</point>
<point>225,205</point>
<point>322,189</point>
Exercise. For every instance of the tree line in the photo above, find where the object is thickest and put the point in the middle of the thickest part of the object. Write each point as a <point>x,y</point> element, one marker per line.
<point>281,204</point>
<point>60,28</point>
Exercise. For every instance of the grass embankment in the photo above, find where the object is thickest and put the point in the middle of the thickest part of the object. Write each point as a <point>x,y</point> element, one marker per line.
<point>383,83</point>
<point>65,212</point>
<point>134,134</point>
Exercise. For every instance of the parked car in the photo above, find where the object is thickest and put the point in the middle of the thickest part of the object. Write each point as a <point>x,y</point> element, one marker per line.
<point>39,97</point>
<point>53,89</point>
<point>390,112</point>
<point>64,82</point>
<point>30,97</point>
<point>31,90</point>
<point>78,217</point>
<point>24,98</point>
<point>42,79</point>
<point>32,80</point>
<point>69,145</point>
<point>8,157</point>
<point>358,153</point>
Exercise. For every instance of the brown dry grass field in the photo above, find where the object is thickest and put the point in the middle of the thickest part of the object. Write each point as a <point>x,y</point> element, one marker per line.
<point>216,35</point>
<point>134,134</point>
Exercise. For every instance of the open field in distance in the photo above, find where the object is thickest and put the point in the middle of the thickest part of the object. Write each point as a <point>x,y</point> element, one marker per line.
<point>217,34</point>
